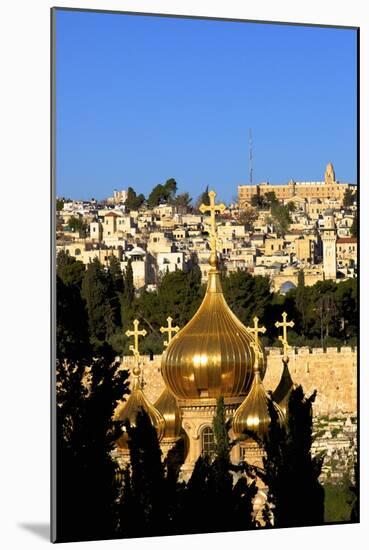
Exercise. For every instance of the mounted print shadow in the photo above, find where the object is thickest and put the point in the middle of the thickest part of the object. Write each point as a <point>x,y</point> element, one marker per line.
<point>205,217</point>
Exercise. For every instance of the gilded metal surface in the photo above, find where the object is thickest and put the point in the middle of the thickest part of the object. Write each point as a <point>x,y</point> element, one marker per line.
<point>168,407</point>
<point>253,413</point>
<point>212,355</point>
<point>284,324</point>
<point>128,411</point>
<point>135,333</point>
<point>170,329</point>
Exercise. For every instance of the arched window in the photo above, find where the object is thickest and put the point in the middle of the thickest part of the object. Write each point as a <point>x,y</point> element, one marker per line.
<point>208,441</point>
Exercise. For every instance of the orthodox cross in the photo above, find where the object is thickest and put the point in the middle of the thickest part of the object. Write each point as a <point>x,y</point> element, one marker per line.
<point>255,330</point>
<point>170,329</point>
<point>212,209</point>
<point>284,324</point>
<point>135,333</point>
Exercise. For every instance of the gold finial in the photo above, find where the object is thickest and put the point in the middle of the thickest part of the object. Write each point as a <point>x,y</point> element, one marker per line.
<point>213,208</point>
<point>255,330</point>
<point>284,324</point>
<point>170,329</point>
<point>135,333</point>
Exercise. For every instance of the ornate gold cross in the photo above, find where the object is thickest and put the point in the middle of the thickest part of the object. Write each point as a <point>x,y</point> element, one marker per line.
<point>255,330</point>
<point>284,324</point>
<point>135,333</point>
<point>170,329</point>
<point>212,209</point>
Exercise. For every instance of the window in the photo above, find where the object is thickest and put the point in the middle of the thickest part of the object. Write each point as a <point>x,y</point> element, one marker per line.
<point>208,442</point>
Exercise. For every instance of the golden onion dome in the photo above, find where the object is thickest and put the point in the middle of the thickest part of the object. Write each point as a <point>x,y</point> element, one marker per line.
<point>212,355</point>
<point>168,407</point>
<point>136,402</point>
<point>253,413</point>
<point>282,392</point>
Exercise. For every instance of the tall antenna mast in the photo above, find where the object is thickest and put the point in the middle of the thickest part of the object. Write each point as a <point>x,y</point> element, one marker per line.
<point>250,156</point>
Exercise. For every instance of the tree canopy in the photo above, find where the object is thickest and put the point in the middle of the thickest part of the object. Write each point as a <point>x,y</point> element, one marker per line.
<point>162,194</point>
<point>133,201</point>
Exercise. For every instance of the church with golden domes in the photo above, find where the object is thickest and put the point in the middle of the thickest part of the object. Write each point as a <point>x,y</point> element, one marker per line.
<point>213,356</point>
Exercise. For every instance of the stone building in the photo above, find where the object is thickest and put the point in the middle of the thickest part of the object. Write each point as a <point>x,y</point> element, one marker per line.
<point>329,240</point>
<point>330,188</point>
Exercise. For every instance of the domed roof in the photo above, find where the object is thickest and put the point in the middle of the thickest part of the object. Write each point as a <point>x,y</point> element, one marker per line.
<point>136,251</point>
<point>253,413</point>
<point>136,402</point>
<point>282,392</point>
<point>168,407</point>
<point>212,355</point>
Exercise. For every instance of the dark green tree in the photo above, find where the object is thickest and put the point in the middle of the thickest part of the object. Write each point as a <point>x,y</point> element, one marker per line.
<point>127,296</point>
<point>281,217</point>
<point>72,336</point>
<point>77,225</point>
<point>170,187</point>
<point>271,198</point>
<point>203,198</point>
<point>87,488</point>
<point>70,270</point>
<point>291,473</point>
<point>257,201</point>
<point>348,198</point>
<point>248,295</point>
<point>101,302</point>
<point>133,201</point>
<point>162,194</point>
<point>183,200</point>
<point>157,196</point>
<point>146,482</point>
<point>59,204</point>
<point>179,296</point>
<point>301,302</point>
<point>212,502</point>
<point>353,229</point>
<point>116,274</point>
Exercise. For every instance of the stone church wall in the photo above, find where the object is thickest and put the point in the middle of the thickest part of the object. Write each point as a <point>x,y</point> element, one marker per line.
<point>332,372</point>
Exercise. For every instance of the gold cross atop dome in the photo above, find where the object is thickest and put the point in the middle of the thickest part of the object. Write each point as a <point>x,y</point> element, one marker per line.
<point>170,329</point>
<point>284,324</point>
<point>255,330</point>
<point>212,208</point>
<point>135,333</point>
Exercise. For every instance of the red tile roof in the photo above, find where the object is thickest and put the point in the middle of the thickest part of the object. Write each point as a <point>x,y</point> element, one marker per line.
<point>349,240</point>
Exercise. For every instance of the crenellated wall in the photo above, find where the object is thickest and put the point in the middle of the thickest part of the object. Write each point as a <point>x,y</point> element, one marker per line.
<point>332,372</point>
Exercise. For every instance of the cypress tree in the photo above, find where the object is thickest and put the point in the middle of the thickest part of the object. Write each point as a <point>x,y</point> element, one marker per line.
<point>116,274</point>
<point>101,301</point>
<point>87,488</point>
<point>146,486</point>
<point>290,471</point>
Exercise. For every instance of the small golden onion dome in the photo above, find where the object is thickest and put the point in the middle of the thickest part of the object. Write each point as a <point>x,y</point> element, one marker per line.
<point>168,407</point>
<point>282,392</point>
<point>136,402</point>
<point>212,355</point>
<point>253,413</point>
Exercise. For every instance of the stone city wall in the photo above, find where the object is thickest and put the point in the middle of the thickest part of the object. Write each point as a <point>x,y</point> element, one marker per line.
<point>332,372</point>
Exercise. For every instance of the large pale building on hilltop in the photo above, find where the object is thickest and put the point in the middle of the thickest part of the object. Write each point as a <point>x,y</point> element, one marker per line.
<point>329,189</point>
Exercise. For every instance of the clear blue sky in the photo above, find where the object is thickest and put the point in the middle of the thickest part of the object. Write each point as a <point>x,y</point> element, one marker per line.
<point>142,99</point>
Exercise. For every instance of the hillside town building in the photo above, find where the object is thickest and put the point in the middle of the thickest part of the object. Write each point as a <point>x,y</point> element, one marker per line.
<point>329,189</point>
